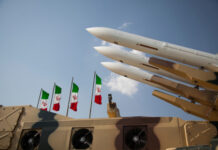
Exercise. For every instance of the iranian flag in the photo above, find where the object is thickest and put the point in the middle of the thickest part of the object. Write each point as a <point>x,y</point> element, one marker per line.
<point>44,100</point>
<point>57,98</point>
<point>98,90</point>
<point>74,97</point>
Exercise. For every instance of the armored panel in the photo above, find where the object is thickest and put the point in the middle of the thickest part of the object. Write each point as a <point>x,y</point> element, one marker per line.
<point>37,129</point>
<point>199,132</point>
<point>9,117</point>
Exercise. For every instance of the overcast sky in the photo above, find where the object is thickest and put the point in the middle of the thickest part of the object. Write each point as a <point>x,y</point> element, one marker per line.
<point>45,41</point>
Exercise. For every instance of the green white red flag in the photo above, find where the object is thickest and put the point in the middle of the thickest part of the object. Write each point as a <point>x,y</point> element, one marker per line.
<point>44,100</point>
<point>74,97</point>
<point>57,98</point>
<point>98,98</point>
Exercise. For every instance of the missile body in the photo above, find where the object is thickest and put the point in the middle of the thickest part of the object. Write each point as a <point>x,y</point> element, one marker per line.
<point>205,98</point>
<point>196,109</point>
<point>132,73</point>
<point>159,48</point>
<point>134,60</point>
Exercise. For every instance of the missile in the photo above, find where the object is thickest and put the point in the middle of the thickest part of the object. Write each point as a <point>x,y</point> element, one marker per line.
<point>159,48</point>
<point>195,109</point>
<point>167,68</point>
<point>204,97</point>
<point>134,60</point>
<point>132,73</point>
<point>162,67</point>
<point>206,79</point>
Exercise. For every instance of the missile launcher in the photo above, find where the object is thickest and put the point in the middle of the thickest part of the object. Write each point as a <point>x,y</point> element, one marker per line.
<point>28,128</point>
<point>196,71</point>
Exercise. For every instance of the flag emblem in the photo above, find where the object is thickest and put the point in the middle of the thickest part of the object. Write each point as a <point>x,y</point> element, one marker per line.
<point>74,97</point>
<point>98,98</point>
<point>57,98</point>
<point>44,100</point>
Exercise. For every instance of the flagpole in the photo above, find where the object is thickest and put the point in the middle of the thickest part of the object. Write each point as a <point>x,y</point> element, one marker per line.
<point>90,112</point>
<point>39,98</point>
<point>69,96</point>
<point>52,97</point>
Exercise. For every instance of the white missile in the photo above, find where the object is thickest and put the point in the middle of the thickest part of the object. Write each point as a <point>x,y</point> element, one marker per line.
<point>200,96</point>
<point>133,73</point>
<point>134,60</point>
<point>159,48</point>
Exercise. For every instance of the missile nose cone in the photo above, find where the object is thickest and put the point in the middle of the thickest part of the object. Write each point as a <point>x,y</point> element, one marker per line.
<point>99,49</point>
<point>113,66</point>
<point>106,51</point>
<point>97,31</point>
<point>108,65</point>
<point>103,33</point>
<point>91,30</point>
